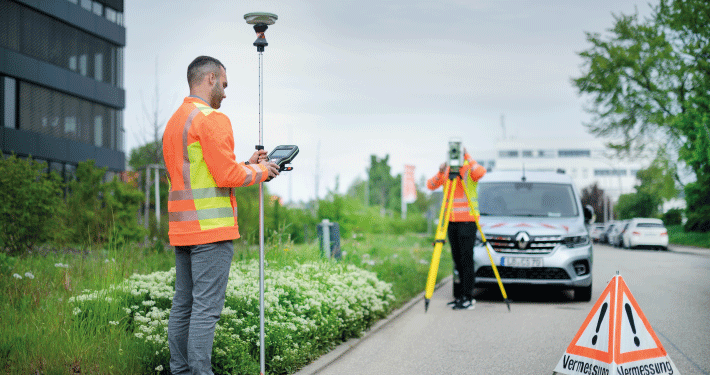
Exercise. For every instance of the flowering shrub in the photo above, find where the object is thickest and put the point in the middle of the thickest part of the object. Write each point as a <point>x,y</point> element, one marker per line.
<point>309,308</point>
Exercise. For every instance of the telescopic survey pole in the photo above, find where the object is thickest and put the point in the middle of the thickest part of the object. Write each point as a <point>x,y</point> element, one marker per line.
<point>261,22</point>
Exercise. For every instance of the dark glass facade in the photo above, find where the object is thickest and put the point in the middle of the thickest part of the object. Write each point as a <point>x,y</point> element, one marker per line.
<point>61,82</point>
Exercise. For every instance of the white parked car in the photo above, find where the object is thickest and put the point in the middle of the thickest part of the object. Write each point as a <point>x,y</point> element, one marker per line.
<point>643,232</point>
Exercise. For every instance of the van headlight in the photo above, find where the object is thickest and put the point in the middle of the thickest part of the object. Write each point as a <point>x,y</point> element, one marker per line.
<point>576,241</point>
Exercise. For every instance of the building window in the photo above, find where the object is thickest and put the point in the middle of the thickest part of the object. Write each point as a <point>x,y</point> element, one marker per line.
<point>110,14</point>
<point>98,131</point>
<point>10,94</point>
<point>99,67</point>
<point>58,168</point>
<point>69,172</point>
<point>508,153</point>
<point>546,153</point>
<point>574,153</point>
<point>39,36</point>
<point>59,115</point>
<point>609,172</point>
<point>98,9</point>
<point>527,153</point>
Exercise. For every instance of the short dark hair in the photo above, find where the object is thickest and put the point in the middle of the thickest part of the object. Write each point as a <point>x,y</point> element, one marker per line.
<point>200,66</point>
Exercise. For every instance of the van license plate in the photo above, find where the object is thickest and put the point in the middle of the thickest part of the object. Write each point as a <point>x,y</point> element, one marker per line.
<point>521,262</point>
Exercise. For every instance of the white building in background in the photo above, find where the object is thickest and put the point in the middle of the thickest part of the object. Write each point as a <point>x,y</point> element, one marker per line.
<point>587,161</point>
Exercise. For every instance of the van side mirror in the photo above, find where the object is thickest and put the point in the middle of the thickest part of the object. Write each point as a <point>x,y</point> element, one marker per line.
<point>589,216</point>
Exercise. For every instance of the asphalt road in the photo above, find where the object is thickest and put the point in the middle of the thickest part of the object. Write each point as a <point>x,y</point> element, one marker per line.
<point>672,289</point>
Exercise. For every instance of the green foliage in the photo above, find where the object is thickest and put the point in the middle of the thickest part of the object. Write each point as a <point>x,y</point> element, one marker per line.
<point>637,205</point>
<point>384,189</point>
<point>678,236</point>
<point>649,80</point>
<point>674,216</point>
<point>697,197</point>
<point>99,212</point>
<point>309,308</point>
<point>151,153</point>
<point>658,179</point>
<point>30,202</point>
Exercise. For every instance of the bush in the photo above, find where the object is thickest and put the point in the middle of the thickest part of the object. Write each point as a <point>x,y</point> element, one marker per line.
<point>101,212</point>
<point>674,216</point>
<point>30,202</point>
<point>697,196</point>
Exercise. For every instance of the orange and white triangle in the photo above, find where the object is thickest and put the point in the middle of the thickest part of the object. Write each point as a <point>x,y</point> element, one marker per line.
<point>615,334</point>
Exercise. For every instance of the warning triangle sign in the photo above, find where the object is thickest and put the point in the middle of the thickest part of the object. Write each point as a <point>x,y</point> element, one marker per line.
<point>615,336</point>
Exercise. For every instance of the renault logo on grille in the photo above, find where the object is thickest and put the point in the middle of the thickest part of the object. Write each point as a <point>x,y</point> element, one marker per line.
<point>522,239</point>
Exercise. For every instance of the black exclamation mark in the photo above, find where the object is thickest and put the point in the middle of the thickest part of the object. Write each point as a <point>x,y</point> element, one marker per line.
<point>599,323</point>
<point>633,326</point>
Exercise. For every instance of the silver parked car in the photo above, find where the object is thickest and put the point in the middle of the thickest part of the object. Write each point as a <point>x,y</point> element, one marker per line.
<point>596,231</point>
<point>616,233</point>
<point>644,232</point>
<point>535,223</point>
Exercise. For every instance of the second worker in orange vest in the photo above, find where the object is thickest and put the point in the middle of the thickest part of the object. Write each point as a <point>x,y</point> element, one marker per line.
<point>462,230</point>
<point>198,147</point>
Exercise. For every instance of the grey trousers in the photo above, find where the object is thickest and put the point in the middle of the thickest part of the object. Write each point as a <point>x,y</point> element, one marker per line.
<point>201,273</point>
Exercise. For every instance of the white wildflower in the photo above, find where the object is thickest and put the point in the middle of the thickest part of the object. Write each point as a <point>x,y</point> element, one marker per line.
<point>61,265</point>
<point>76,311</point>
<point>29,275</point>
<point>113,323</point>
<point>16,275</point>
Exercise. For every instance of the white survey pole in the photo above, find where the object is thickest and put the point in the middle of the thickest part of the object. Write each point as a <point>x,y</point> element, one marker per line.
<point>261,22</point>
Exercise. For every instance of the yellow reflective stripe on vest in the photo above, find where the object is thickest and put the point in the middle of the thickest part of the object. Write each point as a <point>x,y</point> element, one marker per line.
<point>471,192</point>
<point>205,109</point>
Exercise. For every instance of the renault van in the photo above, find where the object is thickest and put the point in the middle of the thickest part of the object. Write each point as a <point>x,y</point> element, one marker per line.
<point>536,226</point>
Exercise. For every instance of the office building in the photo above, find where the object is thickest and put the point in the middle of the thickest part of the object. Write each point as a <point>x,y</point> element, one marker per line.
<point>587,161</point>
<point>61,82</point>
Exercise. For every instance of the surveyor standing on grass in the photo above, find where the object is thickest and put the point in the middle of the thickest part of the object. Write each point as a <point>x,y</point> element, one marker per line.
<point>198,147</point>
<point>462,228</point>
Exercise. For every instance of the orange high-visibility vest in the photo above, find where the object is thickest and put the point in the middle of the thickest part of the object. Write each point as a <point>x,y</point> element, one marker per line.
<point>461,211</point>
<point>198,146</point>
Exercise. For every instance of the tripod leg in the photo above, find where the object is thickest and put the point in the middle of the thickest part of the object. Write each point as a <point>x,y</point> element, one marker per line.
<point>493,264</point>
<point>439,240</point>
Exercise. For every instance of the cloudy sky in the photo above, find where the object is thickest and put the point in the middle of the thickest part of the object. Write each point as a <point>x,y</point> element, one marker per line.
<point>345,79</point>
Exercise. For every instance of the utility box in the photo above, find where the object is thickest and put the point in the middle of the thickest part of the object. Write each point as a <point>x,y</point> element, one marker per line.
<point>329,239</point>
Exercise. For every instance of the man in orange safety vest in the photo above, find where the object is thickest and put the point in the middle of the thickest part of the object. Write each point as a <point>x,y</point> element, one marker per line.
<point>198,147</point>
<point>462,226</point>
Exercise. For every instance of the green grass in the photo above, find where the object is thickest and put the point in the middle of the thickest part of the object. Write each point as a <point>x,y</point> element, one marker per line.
<point>39,332</point>
<point>676,235</point>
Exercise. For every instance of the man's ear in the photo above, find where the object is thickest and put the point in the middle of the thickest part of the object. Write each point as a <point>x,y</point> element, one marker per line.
<point>212,79</point>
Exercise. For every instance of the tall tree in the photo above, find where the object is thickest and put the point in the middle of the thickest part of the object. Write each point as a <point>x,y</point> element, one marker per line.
<point>594,196</point>
<point>650,80</point>
<point>384,189</point>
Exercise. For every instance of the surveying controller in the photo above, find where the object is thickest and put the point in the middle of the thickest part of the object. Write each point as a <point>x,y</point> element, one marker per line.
<point>282,155</point>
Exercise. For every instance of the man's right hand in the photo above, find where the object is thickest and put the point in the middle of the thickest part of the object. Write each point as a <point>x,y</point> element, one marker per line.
<point>272,168</point>
<point>442,168</point>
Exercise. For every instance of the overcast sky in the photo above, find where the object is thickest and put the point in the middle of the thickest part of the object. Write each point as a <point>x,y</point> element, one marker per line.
<point>370,77</point>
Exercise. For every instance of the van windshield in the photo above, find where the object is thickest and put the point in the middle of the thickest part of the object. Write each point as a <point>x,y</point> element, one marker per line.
<point>526,199</point>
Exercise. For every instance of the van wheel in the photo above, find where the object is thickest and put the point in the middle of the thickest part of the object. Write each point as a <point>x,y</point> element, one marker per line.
<point>583,294</point>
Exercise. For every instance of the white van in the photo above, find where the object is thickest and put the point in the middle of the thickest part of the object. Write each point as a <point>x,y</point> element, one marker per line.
<point>535,223</point>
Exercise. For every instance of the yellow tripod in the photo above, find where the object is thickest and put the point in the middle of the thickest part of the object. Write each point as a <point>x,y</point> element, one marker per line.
<point>440,239</point>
